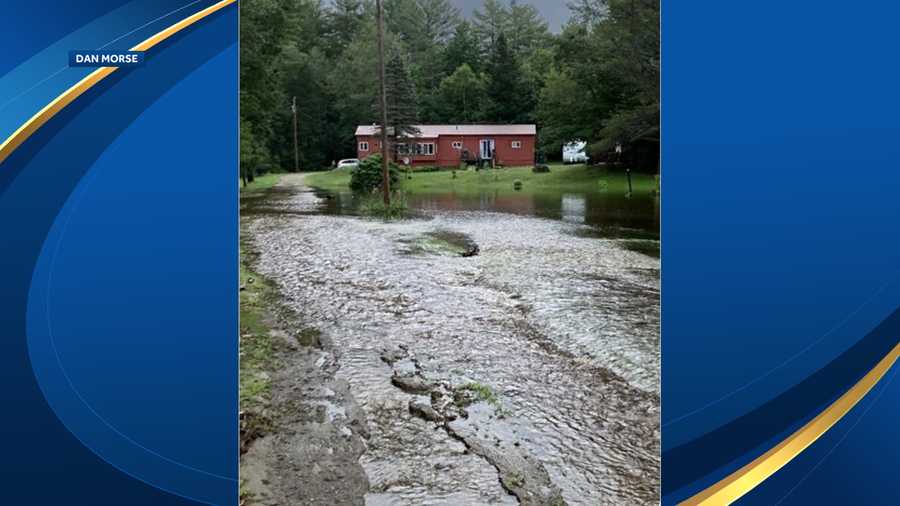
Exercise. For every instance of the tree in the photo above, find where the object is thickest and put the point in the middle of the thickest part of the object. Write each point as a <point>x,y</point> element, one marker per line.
<point>626,42</point>
<point>588,11</point>
<point>510,100</point>
<point>463,95</point>
<point>562,112</point>
<point>251,152</point>
<point>462,49</point>
<point>353,83</point>
<point>263,30</point>
<point>598,79</point>
<point>402,104</point>
<point>342,23</point>
<point>526,31</point>
<point>423,27</point>
<point>489,24</point>
<point>421,24</point>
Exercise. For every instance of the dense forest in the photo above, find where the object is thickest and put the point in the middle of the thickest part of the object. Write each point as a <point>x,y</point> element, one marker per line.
<point>597,80</point>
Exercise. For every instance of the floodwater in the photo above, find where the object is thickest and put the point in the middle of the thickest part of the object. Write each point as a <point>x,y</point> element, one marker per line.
<point>555,321</point>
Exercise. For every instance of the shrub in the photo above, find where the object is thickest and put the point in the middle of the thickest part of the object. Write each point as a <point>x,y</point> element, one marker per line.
<point>367,177</point>
<point>517,184</point>
<point>373,205</point>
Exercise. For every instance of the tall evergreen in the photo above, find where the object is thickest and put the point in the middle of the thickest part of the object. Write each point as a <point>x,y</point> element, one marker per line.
<point>463,48</point>
<point>402,113</point>
<point>510,100</point>
<point>491,21</point>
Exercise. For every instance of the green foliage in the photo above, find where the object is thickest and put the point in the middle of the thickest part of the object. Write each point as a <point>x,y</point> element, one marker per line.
<point>260,184</point>
<point>402,110</point>
<point>489,22</point>
<point>463,95</point>
<point>511,101</point>
<point>562,112</point>
<point>421,24</point>
<point>368,177</point>
<point>607,88</point>
<point>252,152</point>
<point>463,49</point>
<point>373,205</point>
<point>527,32</point>
<point>475,392</point>
<point>263,30</point>
<point>597,80</point>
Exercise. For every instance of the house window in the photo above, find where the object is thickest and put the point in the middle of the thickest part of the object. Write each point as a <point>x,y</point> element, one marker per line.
<point>402,149</point>
<point>425,149</point>
<point>457,144</point>
<point>363,146</point>
<point>517,144</point>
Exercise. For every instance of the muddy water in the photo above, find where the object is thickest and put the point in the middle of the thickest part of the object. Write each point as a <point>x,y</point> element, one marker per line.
<point>557,322</point>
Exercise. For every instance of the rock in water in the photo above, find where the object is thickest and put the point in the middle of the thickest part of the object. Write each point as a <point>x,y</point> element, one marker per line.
<point>471,251</point>
<point>424,410</point>
<point>411,384</point>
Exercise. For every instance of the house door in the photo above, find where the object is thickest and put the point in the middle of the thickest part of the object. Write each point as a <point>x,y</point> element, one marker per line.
<point>487,149</point>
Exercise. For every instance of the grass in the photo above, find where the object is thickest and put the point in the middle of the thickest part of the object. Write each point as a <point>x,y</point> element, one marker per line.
<point>256,341</point>
<point>373,206</point>
<point>576,178</point>
<point>335,180</point>
<point>256,354</point>
<point>260,183</point>
<point>479,393</point>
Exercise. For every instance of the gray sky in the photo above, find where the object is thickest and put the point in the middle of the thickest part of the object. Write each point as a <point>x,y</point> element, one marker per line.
<point>555,12</point>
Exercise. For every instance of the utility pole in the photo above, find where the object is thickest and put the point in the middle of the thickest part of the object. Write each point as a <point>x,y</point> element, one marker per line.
<point>382,98</point>
<point>296,148</point>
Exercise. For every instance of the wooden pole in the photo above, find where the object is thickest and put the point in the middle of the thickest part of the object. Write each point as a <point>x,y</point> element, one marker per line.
<point>296,148</point>
<point>385,148</point>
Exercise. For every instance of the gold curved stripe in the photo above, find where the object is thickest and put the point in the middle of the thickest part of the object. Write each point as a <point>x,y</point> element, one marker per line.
<point>65,98</point>
<point>738,483</point>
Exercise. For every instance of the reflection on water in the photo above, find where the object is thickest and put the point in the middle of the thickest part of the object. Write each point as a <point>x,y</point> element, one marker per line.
<point>556,317</point>
<point>609,215</point>
<point>574,208</point>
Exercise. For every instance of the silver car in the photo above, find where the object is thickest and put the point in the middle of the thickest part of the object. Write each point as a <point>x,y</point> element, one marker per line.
<point>349,163</point>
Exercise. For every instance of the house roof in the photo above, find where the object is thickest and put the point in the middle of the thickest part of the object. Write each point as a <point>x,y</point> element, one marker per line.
<point>432,131</point>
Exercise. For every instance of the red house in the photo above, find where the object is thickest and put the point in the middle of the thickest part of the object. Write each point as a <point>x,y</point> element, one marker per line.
<point>451,145</point>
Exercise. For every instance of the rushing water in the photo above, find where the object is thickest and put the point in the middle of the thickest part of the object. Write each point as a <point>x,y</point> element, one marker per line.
<point>558,316</point>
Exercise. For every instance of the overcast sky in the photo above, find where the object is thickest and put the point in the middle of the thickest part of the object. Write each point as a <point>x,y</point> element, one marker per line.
<point>554,12</point>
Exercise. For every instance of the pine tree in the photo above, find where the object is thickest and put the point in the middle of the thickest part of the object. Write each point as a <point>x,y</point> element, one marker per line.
<point>489,23</point>
<point>402,103</point>
<point>526,30</point>
<point>462,49</point>
<point>510,100</point>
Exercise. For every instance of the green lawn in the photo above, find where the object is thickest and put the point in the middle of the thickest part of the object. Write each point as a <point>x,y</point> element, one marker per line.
<point>576,178</point>
<point>260,183</point>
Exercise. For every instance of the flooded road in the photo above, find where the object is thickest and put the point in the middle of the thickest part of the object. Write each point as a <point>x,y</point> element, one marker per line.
<point>528,373</point>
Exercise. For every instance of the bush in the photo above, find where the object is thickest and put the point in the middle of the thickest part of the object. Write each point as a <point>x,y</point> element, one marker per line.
<point>517,184</point>
<point>373,205</point>
<point>367,177</point>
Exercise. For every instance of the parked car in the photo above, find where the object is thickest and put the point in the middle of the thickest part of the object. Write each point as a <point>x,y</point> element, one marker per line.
<point>349,163</point>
